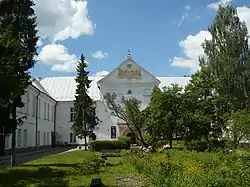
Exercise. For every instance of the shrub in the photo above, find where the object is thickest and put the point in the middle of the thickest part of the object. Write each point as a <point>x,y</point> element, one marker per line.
<point>99,145</point>
<point>89,165</point>
<point>179,144</point>
<point>203,145</point>
<point>215,144</point>
<point>197,145</point>
<point>126,141</point>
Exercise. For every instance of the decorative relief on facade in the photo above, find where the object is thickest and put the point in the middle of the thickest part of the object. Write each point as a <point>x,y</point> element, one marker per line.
<point>129,72</point>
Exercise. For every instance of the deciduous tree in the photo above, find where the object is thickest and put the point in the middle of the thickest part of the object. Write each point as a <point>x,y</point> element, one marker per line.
<point>128,110</point>
<point>18,38</point>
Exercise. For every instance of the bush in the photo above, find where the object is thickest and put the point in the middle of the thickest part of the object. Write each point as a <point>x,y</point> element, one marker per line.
<point>215,144</point>
<point>89,165</point>
<point>203,145</point>
<point>179,144</point>
<point>99,145</point>
<point>126,141</point>
<point>197,145</point>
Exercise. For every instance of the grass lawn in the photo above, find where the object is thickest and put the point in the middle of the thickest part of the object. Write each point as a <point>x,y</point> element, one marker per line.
<point>173,168</point>
<point>69,169</point>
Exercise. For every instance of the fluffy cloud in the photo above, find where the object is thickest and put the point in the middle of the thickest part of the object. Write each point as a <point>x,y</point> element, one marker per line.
<point>192,49</point>
<point>101,73</point>
<point>191,46</point>
<point>100,55</point>
<point>57,56</point>
<point>220,2</point>
<point>39,42</point>
<point>62,19</point>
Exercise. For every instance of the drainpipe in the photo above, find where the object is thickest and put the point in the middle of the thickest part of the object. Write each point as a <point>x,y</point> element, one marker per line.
<point>39,92</point>
<point>54,133</point>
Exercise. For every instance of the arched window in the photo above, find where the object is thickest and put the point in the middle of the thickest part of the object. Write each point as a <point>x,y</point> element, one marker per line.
<point>129,92</point>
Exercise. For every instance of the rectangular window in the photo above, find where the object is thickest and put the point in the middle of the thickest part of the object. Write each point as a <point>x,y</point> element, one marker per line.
<point>34,105</point>
<point>113,132</point>
<point>44,138</point>
<point>38,137</point>
<point>72,114</point>
<point>48,118</point>
<point>48,143</point>
<point>27,103</point>
<point>71,138</point>
<point>74,139</point>
<point>25,137</point>
<point>52,112</point>
<point>22,109</point>
<point>39,107</point>
<point>19,137</point>
<point>7,138</point>
<point>45,106</point>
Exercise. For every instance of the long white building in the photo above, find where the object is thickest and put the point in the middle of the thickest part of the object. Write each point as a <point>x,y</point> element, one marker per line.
<point>49,104</point>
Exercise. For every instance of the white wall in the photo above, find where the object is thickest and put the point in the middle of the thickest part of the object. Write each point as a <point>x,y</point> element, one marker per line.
<point>26,133</point>
<point>63,123</point>
<point>103,130</point>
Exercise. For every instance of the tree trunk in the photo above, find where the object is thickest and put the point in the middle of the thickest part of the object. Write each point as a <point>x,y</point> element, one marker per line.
<point>13,148</point>
<point>2,141</point>
<point>13,142</point>
<point>85,136</point>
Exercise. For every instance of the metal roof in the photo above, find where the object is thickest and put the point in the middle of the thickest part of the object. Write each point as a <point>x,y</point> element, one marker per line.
<point>63,88</point>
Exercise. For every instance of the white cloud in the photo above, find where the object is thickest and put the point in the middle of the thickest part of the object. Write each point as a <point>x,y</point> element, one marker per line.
<point>100,55</point>
<point>187,7</point>
<point>101,73</point>
<point>215,5</point>
<point>63,19</point>
<point>57,56</point>
<point>39,42</point>
<point>192,49</point>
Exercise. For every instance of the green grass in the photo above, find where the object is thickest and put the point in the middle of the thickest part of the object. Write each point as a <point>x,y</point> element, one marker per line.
<point>66,170</point>
<point>173,168</point>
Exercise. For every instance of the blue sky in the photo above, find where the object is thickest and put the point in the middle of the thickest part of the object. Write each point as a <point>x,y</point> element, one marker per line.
<point>164,35</point>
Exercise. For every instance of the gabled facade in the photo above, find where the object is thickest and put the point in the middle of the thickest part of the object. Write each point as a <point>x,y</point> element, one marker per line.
<point>54,99</point>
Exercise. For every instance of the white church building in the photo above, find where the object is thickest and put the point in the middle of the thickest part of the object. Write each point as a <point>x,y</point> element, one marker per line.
<point>49,104</point>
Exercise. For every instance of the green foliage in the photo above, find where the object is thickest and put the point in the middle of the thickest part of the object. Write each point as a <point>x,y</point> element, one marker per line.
<point>126,141</point>
<point>85,119</point>
<point>89,165</point>
<point>99,145</point>
<point>239,125</point>
<point>186,168</point>
<point>197,145</point>
<point>206,145</point>
<point>128,110</point>
<point>163,113</point>
<point>18,38</point>
<point>228,57</point>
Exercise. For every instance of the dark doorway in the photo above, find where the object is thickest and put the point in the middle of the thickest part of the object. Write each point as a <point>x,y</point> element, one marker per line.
<point>133,139</point>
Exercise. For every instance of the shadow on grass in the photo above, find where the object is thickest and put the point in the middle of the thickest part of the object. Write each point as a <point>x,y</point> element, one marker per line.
<point>49,165</point>
<point>43,176</point>
<point>108,164</point>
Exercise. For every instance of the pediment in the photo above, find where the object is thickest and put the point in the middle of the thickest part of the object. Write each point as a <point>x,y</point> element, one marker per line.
<point>129,71</point>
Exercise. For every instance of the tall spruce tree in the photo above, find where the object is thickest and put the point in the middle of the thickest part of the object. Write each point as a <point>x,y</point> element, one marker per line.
<point>84,107</point>
<point>18,38</point>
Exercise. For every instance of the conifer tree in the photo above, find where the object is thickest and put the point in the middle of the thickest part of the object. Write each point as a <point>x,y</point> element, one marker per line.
<point>84,107</point>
